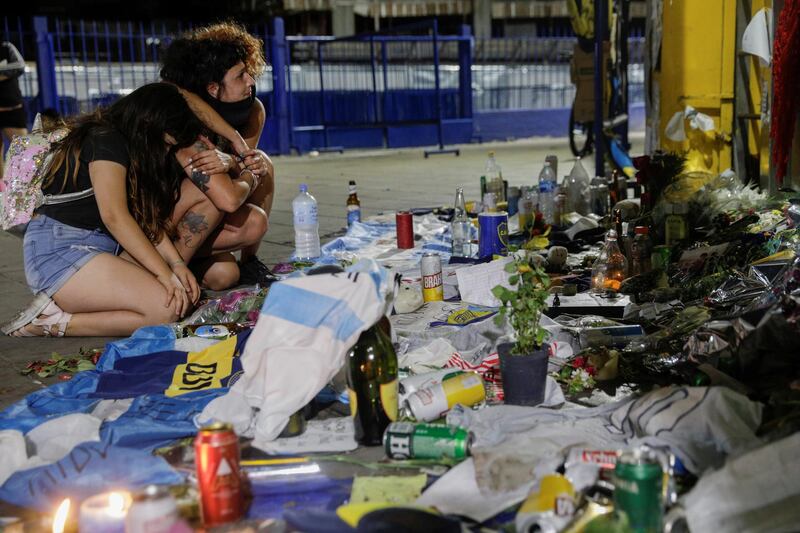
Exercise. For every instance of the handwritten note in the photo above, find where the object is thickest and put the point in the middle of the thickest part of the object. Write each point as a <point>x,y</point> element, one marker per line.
<point>475,283</point>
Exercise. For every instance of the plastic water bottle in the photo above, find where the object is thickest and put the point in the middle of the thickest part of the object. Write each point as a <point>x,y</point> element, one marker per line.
<point>547,192</point>
<point>306,225</point>
<point>460,226</point>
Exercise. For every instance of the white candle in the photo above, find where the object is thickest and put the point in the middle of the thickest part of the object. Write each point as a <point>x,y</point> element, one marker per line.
<point>104,513</point>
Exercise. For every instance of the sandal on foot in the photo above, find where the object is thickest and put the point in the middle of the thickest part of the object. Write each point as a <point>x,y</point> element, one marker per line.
<point>26,316</point>
<point>52,320</point>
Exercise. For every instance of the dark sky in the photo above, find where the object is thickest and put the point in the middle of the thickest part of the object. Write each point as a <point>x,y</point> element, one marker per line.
<point>195,10</point>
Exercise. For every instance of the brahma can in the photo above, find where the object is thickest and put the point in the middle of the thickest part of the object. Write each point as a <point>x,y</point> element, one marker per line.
<point>219,481</point>
<point>431,268</point>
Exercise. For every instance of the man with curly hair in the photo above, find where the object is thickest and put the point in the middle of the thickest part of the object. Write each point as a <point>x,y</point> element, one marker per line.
<point>225,206</point>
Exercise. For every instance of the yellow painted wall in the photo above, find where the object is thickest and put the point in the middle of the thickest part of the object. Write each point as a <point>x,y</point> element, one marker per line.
<point>697,67</point>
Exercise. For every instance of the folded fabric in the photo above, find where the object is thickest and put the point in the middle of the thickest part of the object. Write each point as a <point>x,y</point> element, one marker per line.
<point>305,328</point>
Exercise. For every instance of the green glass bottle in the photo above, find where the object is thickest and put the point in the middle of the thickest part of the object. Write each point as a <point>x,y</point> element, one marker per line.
<point>372,384</point>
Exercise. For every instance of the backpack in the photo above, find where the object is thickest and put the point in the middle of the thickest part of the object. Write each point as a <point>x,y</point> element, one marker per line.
<point>27,161</point>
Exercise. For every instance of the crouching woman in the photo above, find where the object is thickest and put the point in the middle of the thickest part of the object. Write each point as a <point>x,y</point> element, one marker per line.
<point>104,264</point>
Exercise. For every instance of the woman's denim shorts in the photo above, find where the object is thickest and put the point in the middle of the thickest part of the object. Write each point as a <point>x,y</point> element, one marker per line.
<point>54,252</point>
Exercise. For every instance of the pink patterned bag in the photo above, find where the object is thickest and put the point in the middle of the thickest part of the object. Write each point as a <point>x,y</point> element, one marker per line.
<point>26,162</point>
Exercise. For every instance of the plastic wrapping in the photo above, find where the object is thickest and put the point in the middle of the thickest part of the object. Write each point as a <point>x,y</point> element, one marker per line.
<point>238,306</point>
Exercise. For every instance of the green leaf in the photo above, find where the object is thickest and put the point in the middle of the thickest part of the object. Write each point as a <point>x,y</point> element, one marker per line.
<point>510,267</point>
<point>85,365</point>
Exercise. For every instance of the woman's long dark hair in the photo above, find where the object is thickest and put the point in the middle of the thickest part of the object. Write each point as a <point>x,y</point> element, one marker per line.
<point>154,177</point>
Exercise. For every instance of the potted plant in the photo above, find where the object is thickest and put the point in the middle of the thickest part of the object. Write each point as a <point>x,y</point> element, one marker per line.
<point>523,363</point>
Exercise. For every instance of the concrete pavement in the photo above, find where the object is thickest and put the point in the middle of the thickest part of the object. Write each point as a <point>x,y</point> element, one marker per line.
<point>388,180</point>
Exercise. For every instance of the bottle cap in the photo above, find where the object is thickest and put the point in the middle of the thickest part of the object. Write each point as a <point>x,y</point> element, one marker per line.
<point>352,182</point>
<point>641,230</point>
<point>303,187</point>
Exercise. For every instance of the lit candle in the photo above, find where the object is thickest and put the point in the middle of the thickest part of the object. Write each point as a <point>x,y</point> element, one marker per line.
<point>104,513</point>
<point>60,518</point>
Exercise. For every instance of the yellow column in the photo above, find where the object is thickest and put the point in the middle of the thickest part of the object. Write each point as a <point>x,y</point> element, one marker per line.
<point>697,66</point>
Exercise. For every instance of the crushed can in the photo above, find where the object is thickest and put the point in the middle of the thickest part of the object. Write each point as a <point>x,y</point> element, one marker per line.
<point>433,402</point>
<point>411,384</point>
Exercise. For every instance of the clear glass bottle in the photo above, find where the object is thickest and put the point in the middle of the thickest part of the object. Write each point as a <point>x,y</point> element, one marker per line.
<point>494,179</point>
<point>460,226</point>
<point>526,207</point>
<point>576,185</point>
<point>611,268</point>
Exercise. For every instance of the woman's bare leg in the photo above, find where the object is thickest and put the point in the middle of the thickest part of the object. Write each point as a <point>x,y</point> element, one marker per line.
<point>110,296</point>
<point>195,218</point>
<point>218,272</point>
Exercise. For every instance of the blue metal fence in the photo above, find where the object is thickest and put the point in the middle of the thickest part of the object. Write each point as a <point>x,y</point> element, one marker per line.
<point>321,91</point>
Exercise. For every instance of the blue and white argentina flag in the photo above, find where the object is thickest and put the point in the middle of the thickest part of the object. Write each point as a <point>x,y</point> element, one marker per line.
<point>305,328</point>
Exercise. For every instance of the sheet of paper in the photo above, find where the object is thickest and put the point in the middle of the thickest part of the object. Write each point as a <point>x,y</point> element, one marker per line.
<point>582,224</point>
<point>457,492</point>
<point>330,435</point>
<point>588,299</point>
<point>475,283</point>
<point>394,489</point>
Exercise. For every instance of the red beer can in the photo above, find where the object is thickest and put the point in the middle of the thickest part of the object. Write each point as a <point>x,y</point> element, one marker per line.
<point>216,450</point>
<point>405,229</point>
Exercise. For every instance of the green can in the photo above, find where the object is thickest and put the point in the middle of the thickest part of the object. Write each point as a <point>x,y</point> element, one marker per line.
<point>639,489</point>
<point>407,440</point>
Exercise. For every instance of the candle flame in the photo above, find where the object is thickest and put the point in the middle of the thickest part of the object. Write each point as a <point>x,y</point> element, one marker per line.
<point>116,504</point>
<point>60,518</point>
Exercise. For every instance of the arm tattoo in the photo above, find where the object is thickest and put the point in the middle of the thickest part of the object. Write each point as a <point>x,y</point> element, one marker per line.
<point>198,178</point>
<point>191,228</point>
<point>201,180</point>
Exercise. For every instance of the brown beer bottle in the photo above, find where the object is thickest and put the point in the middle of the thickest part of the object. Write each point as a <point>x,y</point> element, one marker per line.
<point>372,385</point>
<point>353,205</point>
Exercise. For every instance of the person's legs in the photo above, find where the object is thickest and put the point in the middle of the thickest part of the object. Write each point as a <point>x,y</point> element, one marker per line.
<point>195,218</point>
<point>218,272</point>
<point>262,197</point>
<point>110,296</point>
<point>243,228</point>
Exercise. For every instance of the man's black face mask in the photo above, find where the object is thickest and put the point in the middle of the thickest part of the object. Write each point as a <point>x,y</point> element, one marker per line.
<point>234,113</point>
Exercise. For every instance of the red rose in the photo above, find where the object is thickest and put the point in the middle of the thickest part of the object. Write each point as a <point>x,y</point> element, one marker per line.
<point>578,362</point>
<point>591,370</point>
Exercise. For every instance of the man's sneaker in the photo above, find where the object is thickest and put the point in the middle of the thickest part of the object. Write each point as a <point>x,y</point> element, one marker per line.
<point>26,316</point>
<point>252,271</point>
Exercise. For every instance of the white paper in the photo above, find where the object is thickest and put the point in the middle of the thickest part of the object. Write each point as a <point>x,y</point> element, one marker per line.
<point>582,224</point>
<point>588,299</point>
<point>675,130</point>
<point>757,37</point>
<point>331,435</point>
<point>475,283</point>
<point>457,492</point>
<point>758,491</point>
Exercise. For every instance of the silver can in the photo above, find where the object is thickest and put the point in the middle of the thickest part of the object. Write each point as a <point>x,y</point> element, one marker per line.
<point>431,269</point>
<point>153,510</point>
